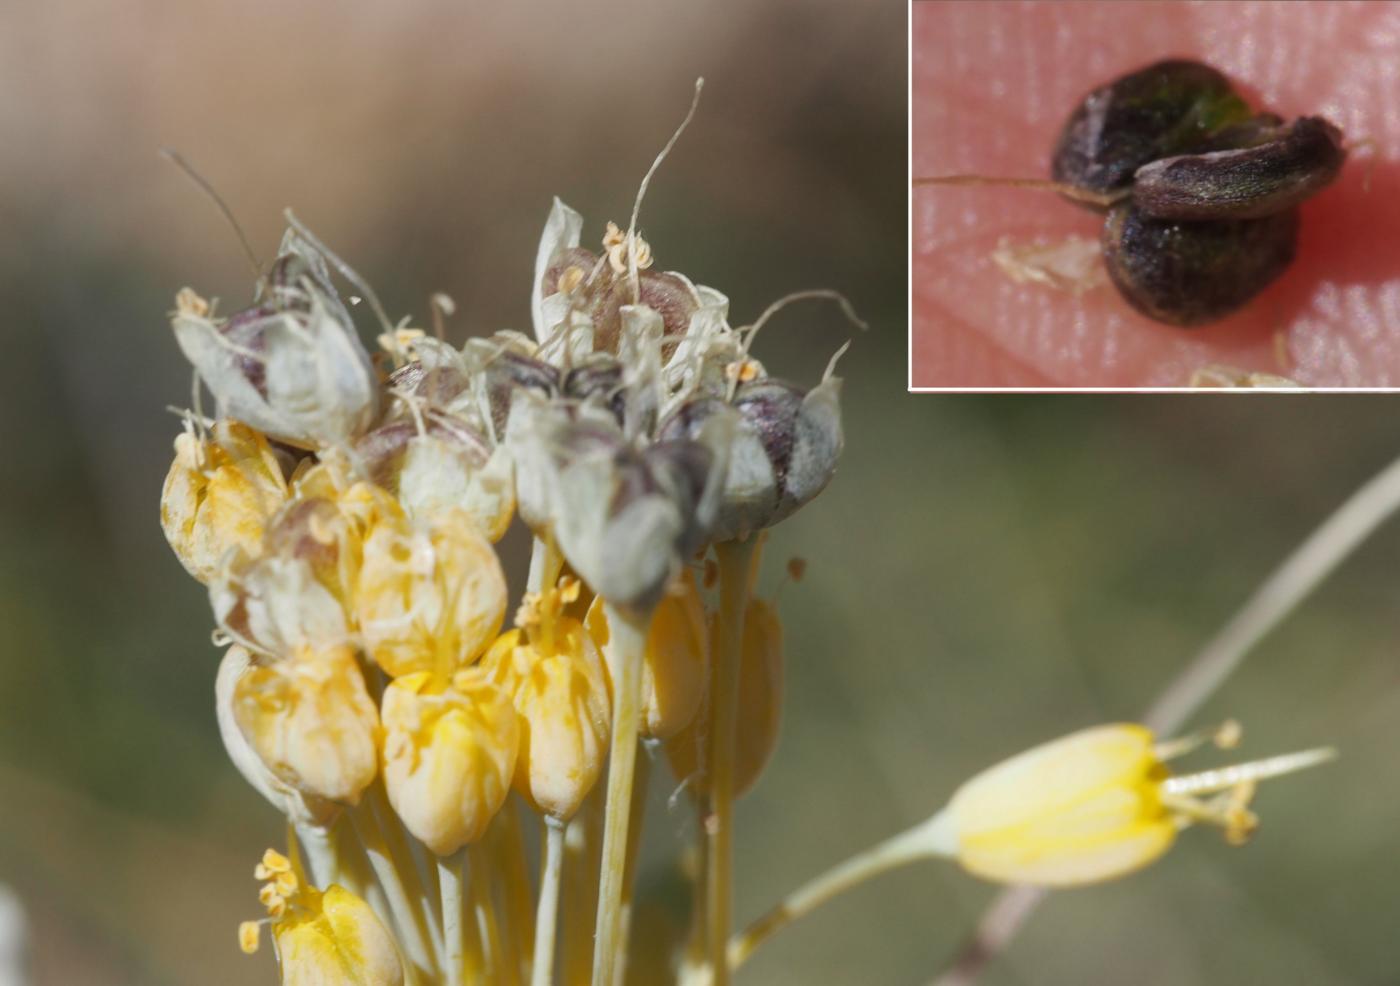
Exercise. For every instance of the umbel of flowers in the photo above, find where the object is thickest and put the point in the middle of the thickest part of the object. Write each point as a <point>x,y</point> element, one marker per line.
<point>342,511</point>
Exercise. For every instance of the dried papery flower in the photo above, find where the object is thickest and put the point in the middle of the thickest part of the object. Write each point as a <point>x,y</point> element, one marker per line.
<point>625,517</point>
<point>439,465</point>
<point>673,667</point>
<point>299,807</point>
<point>784,453</point>
<point>295,592</point>
<point>431,594</point>
<point>449,755</point>
<point>760,703</point>
<point>220,493</point>
<point>311,721</point>
<point>1097,804</point>
<point>555,678</point>
<point>576,286</point>
<point>291,366</point>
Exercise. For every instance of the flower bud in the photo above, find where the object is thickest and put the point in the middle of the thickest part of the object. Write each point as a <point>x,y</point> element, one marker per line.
<point>338,943</point>
<point>300,808</point>
<point>431,594</point>
<point>293,593</point>
<point>673,666</point>
<point>292,365</point>
<point>556,682</point>
<point>760,706</point>
<point>311,722</point>
<point>219,493</point>
<point>449,755</point>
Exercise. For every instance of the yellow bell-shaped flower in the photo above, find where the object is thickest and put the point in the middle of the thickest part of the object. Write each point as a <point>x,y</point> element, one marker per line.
<point>554,675</point>
<point>760,706</point>
<point>311,721</point>
<point>426,588</point>
<point>449,755</point>
<point>1097,804</point>
<point>219,494</point>
<point>673,666</point>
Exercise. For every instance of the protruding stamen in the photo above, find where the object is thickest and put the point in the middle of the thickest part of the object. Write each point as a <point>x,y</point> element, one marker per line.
<point>1224,778</point>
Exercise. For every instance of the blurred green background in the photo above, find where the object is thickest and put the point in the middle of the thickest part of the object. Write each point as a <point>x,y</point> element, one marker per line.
<point>986,572</point>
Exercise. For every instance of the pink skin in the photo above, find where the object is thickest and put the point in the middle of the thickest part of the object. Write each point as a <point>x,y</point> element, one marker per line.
<point>992,84</point>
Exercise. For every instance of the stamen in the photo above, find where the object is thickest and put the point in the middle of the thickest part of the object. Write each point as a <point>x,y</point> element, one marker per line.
<point>1224,778</point>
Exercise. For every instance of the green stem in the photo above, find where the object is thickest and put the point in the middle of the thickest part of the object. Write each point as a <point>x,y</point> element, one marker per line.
<point>547,914</point>
<point>930,838</point>
<point>407,922</point>
<point>454,937</point>
<point>734,559</point>
<point>627,643</point>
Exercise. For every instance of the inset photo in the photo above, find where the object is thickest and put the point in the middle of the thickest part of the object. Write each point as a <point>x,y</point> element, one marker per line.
<point>1155,195</point>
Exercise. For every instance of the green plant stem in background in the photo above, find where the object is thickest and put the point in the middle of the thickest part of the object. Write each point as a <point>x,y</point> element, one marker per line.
<point>734,562</point>
<point>628,642</point>
<point>1301,572</point>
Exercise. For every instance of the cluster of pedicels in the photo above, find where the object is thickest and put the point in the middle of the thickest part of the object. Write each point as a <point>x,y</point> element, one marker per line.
<point>342,510</point>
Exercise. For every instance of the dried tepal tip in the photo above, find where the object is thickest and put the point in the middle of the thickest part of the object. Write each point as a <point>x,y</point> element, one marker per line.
<point>292,365</point>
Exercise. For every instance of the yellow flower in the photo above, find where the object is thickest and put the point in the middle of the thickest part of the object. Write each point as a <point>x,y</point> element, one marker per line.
<point>431,595</point>
<point>1095,805</point>
<point>323,939</point>
<point>554,675</point>
<point>218,494</point>
<point>311,722</point>
<point>449,755</point>
<point>673,667</point>
<point>760,706</point>
<point>341,943</point>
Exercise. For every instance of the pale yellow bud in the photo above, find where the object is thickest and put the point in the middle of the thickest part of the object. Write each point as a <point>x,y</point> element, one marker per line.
<point>449,755</point>
<point>557,683</point>
<point>219,494</point>
<point>431,594</point>
<point>1097,804</point>
<point>336,941</point>
<point>311,721</point>
<point>760,706</point>
<point>673,667</point>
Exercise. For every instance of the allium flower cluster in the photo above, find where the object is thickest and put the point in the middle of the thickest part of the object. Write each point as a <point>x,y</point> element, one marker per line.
<point>342,511</point>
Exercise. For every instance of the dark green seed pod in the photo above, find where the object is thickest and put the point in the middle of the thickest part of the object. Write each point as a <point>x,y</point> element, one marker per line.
<point>1190,273</point>
<point>1246,183</point>
<point>1170,108</point>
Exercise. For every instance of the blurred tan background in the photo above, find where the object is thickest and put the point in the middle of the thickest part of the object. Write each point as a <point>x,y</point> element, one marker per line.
<point>985,573</point>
